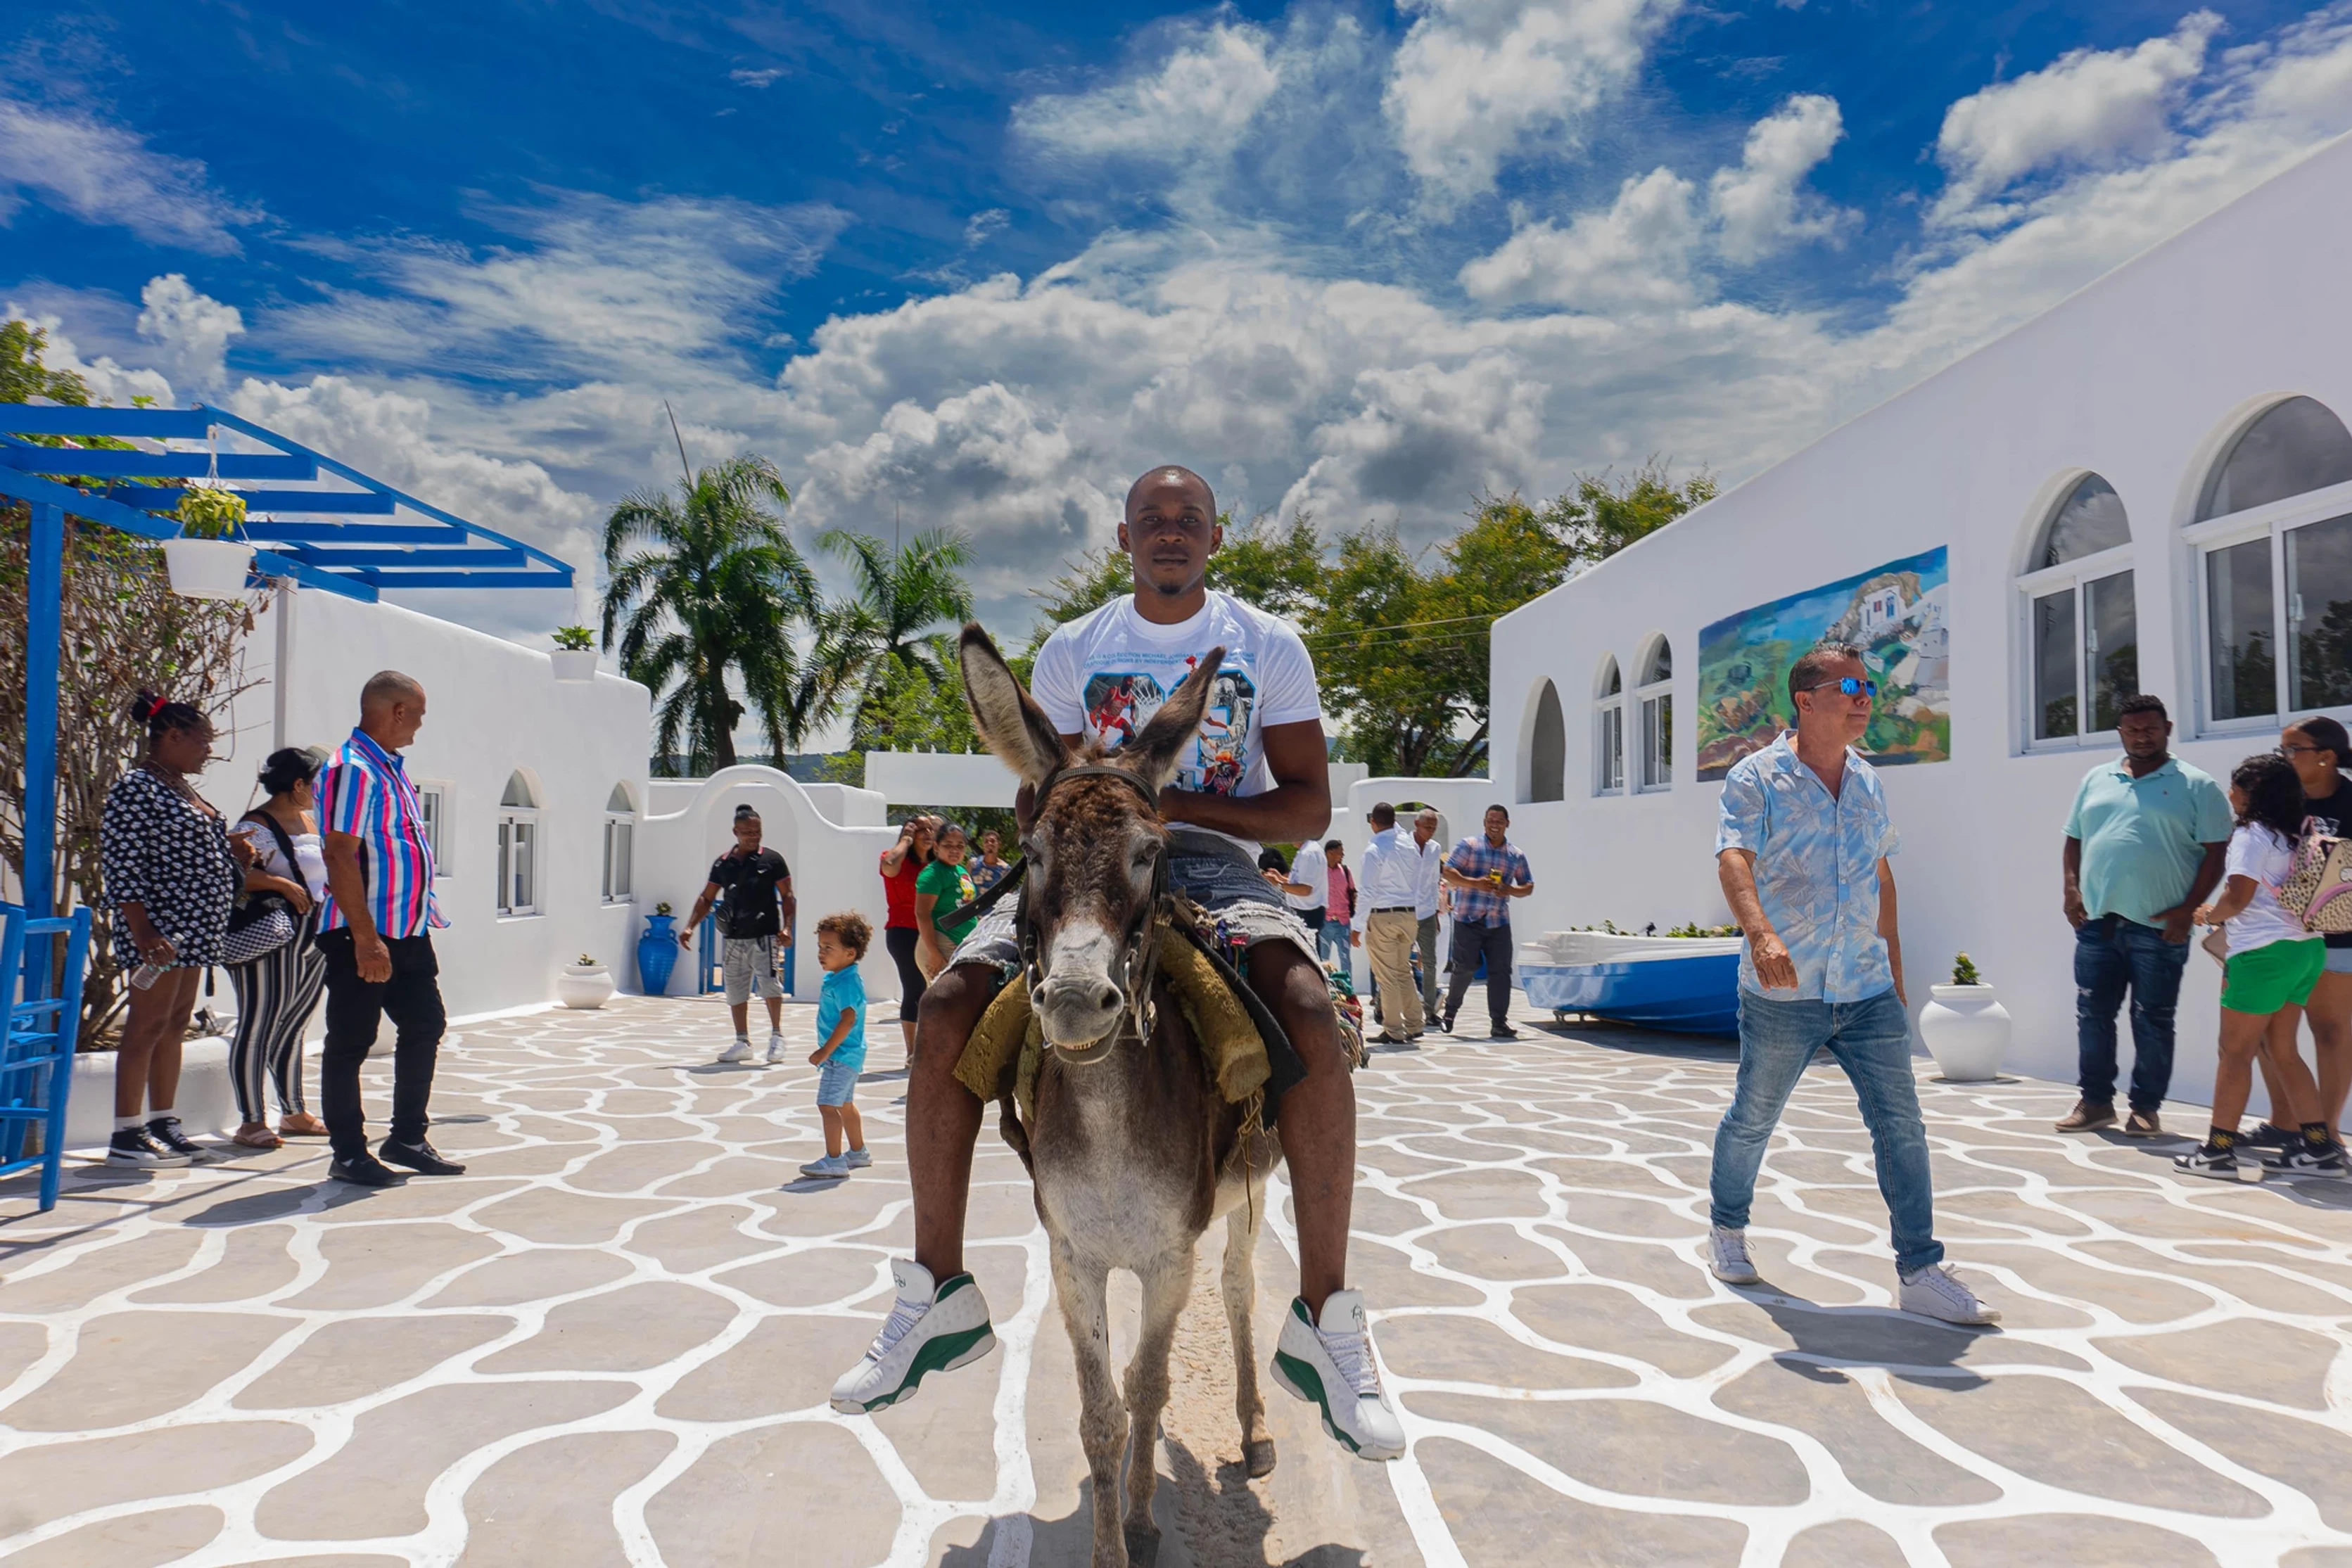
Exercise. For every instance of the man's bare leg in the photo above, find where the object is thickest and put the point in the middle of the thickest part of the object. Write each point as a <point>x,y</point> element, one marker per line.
<point>944,1116</point>
<point>1319,1116</point>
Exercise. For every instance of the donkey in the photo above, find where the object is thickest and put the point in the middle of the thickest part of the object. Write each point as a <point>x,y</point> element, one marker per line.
<point>1132,1149</point>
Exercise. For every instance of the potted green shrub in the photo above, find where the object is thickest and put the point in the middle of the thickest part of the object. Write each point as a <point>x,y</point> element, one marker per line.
<point>585,984</point>
<point>574,657</point>
<point>1965,1026</point>
<point>211,557</point>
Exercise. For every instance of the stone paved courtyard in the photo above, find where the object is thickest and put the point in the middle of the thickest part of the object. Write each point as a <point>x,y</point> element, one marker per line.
<point>609,1341</point>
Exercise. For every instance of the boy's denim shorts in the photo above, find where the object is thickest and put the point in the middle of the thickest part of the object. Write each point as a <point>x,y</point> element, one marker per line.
<point>837,1081</point>
<point>1211,873</point>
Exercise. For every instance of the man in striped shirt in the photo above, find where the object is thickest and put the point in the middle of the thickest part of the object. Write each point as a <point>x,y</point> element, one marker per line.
<point>376,931</point>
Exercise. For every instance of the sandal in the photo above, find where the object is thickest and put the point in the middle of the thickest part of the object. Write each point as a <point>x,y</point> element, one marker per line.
<point>257,1135</point>
<point>300,1124</point>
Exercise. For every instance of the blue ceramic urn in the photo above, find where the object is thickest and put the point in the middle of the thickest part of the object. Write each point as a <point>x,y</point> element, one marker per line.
<point>657,954</point>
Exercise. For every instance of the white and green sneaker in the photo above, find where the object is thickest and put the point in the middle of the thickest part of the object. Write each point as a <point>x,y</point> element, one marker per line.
<point>1333,1368</point>
<point>932,1327</point>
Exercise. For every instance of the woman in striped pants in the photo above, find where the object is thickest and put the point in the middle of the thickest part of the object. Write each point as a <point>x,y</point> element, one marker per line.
<point>277,992</point>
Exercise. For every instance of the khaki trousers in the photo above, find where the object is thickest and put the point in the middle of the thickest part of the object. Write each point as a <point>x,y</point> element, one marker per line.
<point>1388,937</point>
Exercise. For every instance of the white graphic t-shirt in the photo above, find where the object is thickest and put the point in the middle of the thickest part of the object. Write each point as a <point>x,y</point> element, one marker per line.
<point>1107,673</point>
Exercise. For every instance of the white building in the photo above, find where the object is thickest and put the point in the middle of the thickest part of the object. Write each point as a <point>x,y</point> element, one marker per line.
<point>2147,487</point>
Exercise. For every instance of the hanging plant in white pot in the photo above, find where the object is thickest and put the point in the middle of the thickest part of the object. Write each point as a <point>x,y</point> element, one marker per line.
<point>210,558</point>
<point>1965,1026</point>
<point>575,656</point>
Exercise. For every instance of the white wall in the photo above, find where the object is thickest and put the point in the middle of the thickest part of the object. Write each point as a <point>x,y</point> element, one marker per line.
<point>2142,378</point>
<point>833,861</point>
<point>491,707</point>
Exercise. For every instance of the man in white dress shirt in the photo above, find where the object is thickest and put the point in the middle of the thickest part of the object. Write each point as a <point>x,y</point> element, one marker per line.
<point>1387,919</point>
<point>1430,865</point>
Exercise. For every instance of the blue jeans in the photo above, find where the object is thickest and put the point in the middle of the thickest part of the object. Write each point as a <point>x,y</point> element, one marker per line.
<point>1871,1042</point>
<point>1332,941</point>
<point>2113,955</point>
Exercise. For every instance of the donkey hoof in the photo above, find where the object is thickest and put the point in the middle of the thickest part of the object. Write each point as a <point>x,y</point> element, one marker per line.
<point>1142,1546</point>
<point>1258,1457</point>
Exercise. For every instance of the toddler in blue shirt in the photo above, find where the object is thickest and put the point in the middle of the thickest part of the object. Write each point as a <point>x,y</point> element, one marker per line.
<point>841,942</point>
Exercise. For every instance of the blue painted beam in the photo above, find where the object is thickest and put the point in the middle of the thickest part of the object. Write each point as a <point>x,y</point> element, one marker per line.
<point>97,508</point>
<point>390,581</point>
<point>338,503</point>
<point>328,556</point>
<point>269,563</point>
<point>357,533</point>
<point>44,419</point>
<point>114,465</point>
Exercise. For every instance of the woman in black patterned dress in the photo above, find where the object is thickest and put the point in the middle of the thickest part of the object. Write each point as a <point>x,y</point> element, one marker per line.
<point>170,875</point>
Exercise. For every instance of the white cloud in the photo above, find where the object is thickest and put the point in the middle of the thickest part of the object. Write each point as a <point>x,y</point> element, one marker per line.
<point>103,174</point>
<point>1636,254</point>
<point>2088,109</point>
<point>983,226</point>
<point>1762,207</point>
<point>190,329</point>
<point>1196,104</point>
<point>1476,80</point>
<point>601,286</point>
<point>744,76</point>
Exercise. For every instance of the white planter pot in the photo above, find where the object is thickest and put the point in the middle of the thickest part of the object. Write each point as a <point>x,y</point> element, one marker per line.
<point>588,986</point>
<point>1967,1031</point>
<point>573,663</point>
<point>207,568</point>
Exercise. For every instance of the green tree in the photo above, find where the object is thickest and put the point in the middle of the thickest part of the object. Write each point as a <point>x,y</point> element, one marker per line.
<point>874,648</point>
<point>1606,512</point>
<point>23,376</point>
<point>708,592</point>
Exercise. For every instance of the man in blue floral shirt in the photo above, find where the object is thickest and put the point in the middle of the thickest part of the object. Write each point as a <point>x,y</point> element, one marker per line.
<point>1485,873</point>
<point>1803,852</point>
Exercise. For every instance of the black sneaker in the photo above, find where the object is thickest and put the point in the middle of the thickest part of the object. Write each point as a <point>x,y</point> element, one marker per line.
<point>134,1146</point>
<point>2265,1142</point>
<point>165,1129</point>
<point>1503,1032</point>
<point>2307,1158</point>
<point>420,1157</point>
<point>364,1171</point>
<point>2222,1166</point>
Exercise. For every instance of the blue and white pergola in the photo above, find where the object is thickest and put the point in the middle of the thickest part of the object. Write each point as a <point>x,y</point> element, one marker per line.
<point>312,521</point>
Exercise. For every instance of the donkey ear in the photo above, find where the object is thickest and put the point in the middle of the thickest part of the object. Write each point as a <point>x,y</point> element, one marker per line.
<point>1161,745</point>
<point>1008,718</point>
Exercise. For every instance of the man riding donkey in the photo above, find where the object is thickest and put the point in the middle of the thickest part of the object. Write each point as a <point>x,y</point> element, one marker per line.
<point>1283,793</point>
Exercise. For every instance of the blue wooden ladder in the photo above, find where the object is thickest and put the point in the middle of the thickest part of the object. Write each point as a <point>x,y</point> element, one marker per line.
<point>37,1044</point>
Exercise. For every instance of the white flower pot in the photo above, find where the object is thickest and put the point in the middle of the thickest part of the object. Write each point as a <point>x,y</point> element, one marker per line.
<point>573,663</point>
<point>583,986</point>
<point>1967,1031</point>
<point>207,568</point>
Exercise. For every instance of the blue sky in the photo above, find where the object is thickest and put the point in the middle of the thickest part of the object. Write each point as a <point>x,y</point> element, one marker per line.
<point>976,267</point>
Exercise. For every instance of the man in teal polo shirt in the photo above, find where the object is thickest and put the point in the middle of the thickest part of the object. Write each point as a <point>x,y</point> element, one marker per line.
<point>2144,848</point>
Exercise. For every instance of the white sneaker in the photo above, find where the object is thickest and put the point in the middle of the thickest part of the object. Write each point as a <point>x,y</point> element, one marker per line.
<point>931,1329</point>
<point>739,1051</point>
<point>1936,1292</point>
<point>858,1159</point>
<point>1334,1368</point>
<point>1726,1256</point>
<point>775,1049</point>
<point>826,1166</point>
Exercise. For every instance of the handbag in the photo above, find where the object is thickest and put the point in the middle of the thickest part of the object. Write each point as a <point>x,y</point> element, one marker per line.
<point>2318,888</point>
<point>261,922</point>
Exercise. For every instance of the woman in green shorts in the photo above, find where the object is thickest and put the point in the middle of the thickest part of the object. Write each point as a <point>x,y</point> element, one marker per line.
<point>2274,963</point>
<point>944,886</point>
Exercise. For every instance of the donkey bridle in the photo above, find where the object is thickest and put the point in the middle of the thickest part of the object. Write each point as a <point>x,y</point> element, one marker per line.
<point>1139,965</point>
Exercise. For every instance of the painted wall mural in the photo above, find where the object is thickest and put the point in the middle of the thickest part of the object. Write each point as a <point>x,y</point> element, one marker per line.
<point>1896,612</point>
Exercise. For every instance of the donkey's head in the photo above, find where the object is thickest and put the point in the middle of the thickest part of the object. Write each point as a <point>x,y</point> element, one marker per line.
<point>1093,845</point>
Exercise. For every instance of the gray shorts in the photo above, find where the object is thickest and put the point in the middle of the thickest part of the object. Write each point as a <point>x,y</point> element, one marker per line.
<point>1229,887</point>
<point>2339,961</point>
<point>750,964</point>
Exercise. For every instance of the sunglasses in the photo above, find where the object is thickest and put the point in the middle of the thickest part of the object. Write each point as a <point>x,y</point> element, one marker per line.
<point>1846,686</point>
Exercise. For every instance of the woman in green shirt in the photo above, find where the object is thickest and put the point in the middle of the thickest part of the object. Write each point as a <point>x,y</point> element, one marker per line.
<point>944,886</point>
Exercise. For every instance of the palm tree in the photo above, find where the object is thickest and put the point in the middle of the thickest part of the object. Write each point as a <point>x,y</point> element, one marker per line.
<point>710,584</point>
<point>905,599</point>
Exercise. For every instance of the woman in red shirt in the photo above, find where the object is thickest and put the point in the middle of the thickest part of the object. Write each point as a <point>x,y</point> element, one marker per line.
<point>902,862</point>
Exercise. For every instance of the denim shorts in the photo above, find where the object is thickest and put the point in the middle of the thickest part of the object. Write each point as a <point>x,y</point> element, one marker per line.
<point>1211,872</point>
<point>2339,961</point>
<point>837,1081</point>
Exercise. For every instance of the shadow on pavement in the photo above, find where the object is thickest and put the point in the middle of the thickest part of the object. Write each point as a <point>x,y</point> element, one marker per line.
<point>1828,1338</point>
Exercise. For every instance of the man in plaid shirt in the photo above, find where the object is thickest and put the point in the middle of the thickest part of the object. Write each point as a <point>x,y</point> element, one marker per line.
<point>1485,873</point>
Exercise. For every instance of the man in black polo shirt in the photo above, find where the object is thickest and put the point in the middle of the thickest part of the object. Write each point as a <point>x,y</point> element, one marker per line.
<point>758,909</point>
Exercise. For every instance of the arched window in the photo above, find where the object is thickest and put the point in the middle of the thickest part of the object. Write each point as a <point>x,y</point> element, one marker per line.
<point>1657,695</point>
<point>2274,538</point>
<point>2081,625</point>
<point>1609,732</point>
<point>620,843</point>
<point>517,847</point>
<point>1548,748</point>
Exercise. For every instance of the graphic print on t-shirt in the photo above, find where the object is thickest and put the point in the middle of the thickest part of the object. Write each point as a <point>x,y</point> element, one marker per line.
<point>1120,703</point>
